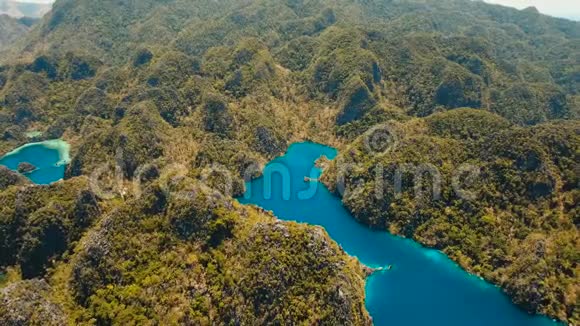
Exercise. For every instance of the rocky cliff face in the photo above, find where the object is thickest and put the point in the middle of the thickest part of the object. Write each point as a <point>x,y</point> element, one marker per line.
<point>199,259</point>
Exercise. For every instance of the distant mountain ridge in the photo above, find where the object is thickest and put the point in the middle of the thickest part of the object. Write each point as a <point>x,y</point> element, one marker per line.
<point>12,29</point>
<point>19,9</point>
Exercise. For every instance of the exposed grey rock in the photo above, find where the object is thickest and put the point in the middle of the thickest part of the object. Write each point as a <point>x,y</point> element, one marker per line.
<point>28,303</point>
<point>26,167</point>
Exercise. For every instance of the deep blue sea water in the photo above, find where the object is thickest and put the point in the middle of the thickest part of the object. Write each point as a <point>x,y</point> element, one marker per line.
<point>424,287</point>
<point>47,158</point>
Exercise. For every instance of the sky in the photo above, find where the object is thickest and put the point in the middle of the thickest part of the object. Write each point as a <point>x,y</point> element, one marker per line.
<point>34,1</point>
<point>557,8</point>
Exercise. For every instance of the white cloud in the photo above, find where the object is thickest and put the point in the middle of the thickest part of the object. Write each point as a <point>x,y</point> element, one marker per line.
<point>558,8</point>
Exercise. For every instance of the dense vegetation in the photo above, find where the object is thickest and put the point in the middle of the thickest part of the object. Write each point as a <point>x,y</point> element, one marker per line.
<point>41,223</point>
<point>146,90</point>
<point>206,260</point>
<point>513,221</point>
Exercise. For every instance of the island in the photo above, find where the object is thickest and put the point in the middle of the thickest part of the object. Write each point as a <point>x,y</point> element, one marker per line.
<point>26,167</point>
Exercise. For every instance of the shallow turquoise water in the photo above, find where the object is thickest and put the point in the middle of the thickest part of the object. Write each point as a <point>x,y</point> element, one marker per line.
<point>424,287</point>
<point>48,161</point>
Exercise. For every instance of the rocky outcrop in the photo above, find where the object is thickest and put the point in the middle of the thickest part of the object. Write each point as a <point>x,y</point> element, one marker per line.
<point>10,178</point>
<point>235,263</point>
<point>29,303</point>
<point>26,167</point>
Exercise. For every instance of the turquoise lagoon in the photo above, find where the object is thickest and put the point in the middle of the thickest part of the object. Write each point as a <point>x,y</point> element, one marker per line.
<point>424,287</point>
<point>50,158</point>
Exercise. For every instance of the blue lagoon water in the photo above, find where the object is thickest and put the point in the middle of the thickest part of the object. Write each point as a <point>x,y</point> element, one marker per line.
<point>424,287</point>
<point>49,157</point>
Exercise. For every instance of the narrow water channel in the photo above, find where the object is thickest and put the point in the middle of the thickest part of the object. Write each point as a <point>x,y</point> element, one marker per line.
<point>423,287</point>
